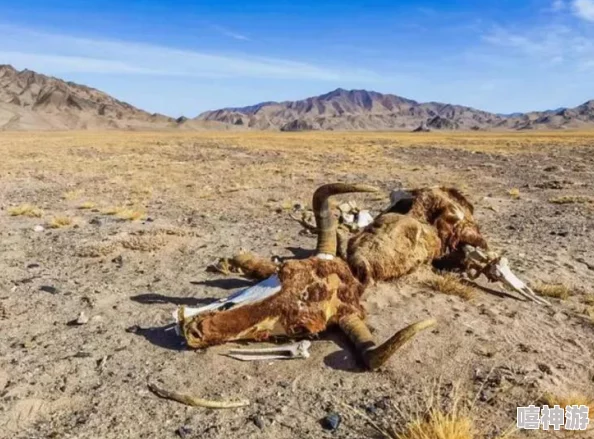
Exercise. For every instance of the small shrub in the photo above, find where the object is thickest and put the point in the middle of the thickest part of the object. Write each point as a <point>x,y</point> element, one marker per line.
<point>130,214</point>
<point>556,291</point>
<point>514,193</point>
<point>87,205</point>
<point>573,398</point>
<point>572,199</point>
<point>60,221</point>
<point>451,285</point>
<point>26,210</point>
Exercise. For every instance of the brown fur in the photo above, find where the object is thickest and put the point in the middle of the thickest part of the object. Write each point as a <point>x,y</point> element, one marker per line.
<point>432,227</point>
<point>392,246</point>
<point>315,294</point>
<point>254,267</point>
<point>450,213</point>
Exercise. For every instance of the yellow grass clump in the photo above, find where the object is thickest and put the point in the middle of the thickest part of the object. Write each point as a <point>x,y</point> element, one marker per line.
<point>556,291</point>
<point>438,424</point>
<point>572,199</point>
<point>124,213</point>
<point>573,398</point>
<point>60,221</point>
<point>514,193</point>
<point>130,214</point>
<point>451,285</point>
<point>144,243</point>
<point>26,210</point>
<point>87,205</point>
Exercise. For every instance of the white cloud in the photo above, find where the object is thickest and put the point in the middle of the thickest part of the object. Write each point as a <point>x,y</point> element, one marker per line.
<point>230,33</point>
<point>553,44</point>
<point>584,9</point>
<point>58,54</point>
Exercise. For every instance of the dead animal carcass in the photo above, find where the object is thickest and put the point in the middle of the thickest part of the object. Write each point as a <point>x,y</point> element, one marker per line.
<point>302,298</point>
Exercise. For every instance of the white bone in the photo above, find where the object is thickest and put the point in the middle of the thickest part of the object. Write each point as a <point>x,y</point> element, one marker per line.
<point>511,280</point>
<point>502,273</point>
<point>347,218</point>
<point>287,352</point>
<point>364,218</point>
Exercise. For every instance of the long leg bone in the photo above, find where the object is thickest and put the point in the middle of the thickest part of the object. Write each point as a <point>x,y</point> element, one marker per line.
<point>292,351</point>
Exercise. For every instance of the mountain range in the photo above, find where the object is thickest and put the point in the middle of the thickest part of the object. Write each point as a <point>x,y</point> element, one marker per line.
<point>367,110</point>
<point>33,101</point>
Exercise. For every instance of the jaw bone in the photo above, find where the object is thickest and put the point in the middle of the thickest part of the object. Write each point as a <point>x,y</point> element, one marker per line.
<point>496,269</point>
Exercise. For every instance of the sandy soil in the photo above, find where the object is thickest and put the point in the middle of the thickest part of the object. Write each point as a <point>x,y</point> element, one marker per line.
<point>201,197</point>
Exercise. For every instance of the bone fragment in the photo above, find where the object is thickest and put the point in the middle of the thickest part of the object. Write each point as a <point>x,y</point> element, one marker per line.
<point>194,401</point>
<point>497,269</point>
<point>287,352</point>
<point>364,218</point>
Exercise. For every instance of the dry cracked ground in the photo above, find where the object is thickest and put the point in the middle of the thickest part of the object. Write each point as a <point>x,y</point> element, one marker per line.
<point>123,227</point>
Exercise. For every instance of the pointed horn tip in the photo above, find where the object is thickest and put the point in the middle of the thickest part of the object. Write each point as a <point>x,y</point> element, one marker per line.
<point>378,356</point>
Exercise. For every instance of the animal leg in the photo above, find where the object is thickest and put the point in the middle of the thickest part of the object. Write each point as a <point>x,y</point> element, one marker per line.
<point>248,264</point>
<point>373,355</point>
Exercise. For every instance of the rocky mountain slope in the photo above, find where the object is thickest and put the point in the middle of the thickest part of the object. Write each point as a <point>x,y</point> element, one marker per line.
<point>366,110</point>
<point>32,101</point>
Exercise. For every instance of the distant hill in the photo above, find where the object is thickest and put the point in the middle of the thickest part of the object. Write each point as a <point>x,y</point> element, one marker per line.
<point>32,101</point>
<point>367,110</point>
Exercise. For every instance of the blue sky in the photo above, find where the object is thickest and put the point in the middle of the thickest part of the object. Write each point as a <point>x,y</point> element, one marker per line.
<point>183,57</point>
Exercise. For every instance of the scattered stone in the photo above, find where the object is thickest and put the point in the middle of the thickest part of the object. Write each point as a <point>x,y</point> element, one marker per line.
<point>82,319</point>
<point>554,184</point>
<point>545,368</point>
<point>298,206</point>
<point>345,207</point>
<point>553,168</point>
<point>31,266</point>
<point>135,329</point>
<point>331,422</point>
<point>82,354</point>
<point>101,363</point>
<point>562,233</point>
<point>184,432</point>
<point>48,289</point>
<point>38,228</point>
<point>96,221</point>
<point>258,421</point>
<point>118,260</point>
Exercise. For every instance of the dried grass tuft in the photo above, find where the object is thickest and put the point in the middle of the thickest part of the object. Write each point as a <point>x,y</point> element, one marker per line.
<point>451,285</point>
<point>59,222</point>
<point>556,291</point>
<point>26,210</point>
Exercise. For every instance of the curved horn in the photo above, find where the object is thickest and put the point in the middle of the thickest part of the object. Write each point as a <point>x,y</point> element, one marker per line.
<point>325,221</point>
<point>375,356</point>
